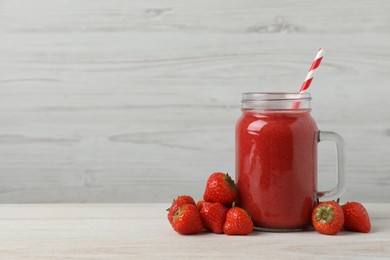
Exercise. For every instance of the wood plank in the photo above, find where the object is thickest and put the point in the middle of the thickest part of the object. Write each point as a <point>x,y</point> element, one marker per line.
<point>141,231</point>
<point>137,101</point>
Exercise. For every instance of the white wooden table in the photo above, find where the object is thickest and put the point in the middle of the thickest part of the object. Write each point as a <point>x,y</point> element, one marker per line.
<point>141,231</point>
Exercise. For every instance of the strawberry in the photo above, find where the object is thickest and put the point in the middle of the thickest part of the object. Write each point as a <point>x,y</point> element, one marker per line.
<point>220,188</point>
<point>238,222</point>
<point>356,217</point>
<point>327,217</point>
<point>187,220</point>
<point>213,216</point>
<point>200,204</point>
<point>177,203</point>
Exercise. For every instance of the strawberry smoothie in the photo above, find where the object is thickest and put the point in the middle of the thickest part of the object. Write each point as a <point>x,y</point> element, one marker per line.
<point>276,166</point>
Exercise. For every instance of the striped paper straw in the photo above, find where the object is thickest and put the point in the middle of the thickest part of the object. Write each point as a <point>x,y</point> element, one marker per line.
<point>310,74</point>
<point>312,70</point>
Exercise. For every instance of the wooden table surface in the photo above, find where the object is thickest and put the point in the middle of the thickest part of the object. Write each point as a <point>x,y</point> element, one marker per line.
<point>141,231</point>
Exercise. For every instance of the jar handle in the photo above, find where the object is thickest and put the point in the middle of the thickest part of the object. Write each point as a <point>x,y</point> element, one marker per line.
<point>339,189</point>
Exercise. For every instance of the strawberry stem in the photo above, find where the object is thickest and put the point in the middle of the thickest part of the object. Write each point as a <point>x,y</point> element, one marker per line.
<point>324,213</point>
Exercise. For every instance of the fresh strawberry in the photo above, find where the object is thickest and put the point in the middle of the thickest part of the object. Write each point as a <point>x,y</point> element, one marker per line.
<point>200,204</point>
<point>356,217</point>
<point>213,216</point>
<point>187,220</point>
<point>238,222</point>
<point>327,217</point>
<point>220,188</point>
<point>177,203</point>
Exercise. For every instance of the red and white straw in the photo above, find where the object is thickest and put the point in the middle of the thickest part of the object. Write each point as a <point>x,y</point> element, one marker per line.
<point>312,70</point>
<point>310,75</point>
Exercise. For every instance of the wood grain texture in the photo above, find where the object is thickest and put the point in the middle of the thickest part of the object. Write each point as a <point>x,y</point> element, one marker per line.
<point>119,101</point>
<point>142,231</point>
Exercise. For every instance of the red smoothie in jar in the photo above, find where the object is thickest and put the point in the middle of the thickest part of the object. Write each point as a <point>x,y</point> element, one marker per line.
<point>276,164</point>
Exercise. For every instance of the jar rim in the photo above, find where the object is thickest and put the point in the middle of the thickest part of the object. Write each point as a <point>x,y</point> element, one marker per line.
<point>275,96</point>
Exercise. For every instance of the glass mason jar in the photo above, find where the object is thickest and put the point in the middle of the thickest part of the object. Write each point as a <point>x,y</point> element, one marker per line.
<point>276,160</point>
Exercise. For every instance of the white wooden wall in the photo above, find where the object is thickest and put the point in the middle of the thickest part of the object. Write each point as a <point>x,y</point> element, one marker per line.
<point>136,101</point>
